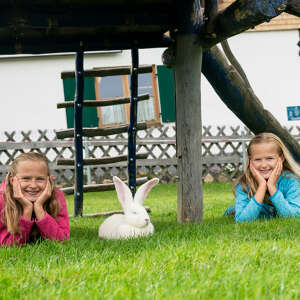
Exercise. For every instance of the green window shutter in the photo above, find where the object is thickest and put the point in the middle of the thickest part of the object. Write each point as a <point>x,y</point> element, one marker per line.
<point>89,114</point>
<point>166,93</point>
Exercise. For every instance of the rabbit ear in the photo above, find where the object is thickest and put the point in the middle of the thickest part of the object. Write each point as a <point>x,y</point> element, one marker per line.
<point>123,192</point>
<point>144,189</point>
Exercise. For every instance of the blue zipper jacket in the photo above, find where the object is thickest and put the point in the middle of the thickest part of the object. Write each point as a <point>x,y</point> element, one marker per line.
<point>286,201</point>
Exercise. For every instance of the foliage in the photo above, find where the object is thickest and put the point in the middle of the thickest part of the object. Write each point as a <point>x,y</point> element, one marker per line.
<point>216,259</point>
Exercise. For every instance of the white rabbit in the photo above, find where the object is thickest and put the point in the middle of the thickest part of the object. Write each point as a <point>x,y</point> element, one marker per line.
<point>135,221</point>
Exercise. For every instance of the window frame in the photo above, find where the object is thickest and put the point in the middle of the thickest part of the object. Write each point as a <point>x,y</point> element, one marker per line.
<point>126,93</point>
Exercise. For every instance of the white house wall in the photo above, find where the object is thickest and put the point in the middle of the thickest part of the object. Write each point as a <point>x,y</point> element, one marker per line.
<point>272,65</point>
<point>31,86</point>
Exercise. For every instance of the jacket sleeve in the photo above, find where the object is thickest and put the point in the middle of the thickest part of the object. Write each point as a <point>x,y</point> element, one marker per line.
<point>8,239</point>
<point>56,229</point>
<point>288,205</point>
<point>245,209</point>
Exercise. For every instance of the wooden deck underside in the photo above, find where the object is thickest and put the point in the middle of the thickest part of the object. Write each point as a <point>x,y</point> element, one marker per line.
<point>34,26</point>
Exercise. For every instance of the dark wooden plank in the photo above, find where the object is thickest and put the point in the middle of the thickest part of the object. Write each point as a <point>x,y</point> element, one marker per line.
<point>60,26</point>
<point>61,5</point>
<point>23,43</point>
<point>104,102</point>
<point>108,71</point>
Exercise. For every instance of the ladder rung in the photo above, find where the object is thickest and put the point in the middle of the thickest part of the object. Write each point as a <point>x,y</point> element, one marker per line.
<point>100,187</point>
<point>91,132</point>
<point>104,102</point>
<point>98,161</point>
<point>107,71</point>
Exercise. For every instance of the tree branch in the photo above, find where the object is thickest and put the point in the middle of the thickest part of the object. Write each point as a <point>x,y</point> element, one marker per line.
<point>240,16</point>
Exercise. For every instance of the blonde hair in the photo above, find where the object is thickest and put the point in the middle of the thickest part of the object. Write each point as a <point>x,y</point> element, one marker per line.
<point>12,208</point>
<point>289,164</point>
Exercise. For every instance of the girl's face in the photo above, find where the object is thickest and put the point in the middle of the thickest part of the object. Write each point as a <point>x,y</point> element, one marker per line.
<point>32,176</point>
<point>264,158</point>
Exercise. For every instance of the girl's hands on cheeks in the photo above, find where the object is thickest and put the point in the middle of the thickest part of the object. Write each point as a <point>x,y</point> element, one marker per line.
<point>271,183</point>
<point>18,195</point>
<point>45,195</point>
<point>262,184</point>
<point>258,177</point>
<point>40,201</point>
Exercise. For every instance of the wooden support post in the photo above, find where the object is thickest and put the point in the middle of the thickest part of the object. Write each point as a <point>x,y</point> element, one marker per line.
<point>78,191</point>
<point>132,128</point>
<point>188,115</point>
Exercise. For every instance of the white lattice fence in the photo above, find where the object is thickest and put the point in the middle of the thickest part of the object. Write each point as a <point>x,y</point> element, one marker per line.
<point>222,151</point>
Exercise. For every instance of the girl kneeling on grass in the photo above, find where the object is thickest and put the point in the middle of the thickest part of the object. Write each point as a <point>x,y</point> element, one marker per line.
<point>270,185</point>
<point>31,207</point>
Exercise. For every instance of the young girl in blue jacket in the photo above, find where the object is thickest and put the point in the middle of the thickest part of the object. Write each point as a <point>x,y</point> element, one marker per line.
<point>270,185</point>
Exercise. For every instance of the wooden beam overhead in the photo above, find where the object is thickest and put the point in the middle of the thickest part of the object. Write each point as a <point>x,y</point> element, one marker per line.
<point>50,26</point>
<point>65,43</point>
<point>106,20</point>
<point>57,5</point>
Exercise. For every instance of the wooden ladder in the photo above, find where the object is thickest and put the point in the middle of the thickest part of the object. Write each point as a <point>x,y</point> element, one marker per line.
<point>78,132</point>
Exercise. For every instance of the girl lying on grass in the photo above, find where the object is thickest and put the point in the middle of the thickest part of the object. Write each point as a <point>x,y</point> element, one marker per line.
<point>270,185</point>
<point>31,207</point>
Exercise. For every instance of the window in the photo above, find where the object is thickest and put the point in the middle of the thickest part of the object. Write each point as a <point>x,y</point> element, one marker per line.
<point>160,104</point>
<point>119,86</point>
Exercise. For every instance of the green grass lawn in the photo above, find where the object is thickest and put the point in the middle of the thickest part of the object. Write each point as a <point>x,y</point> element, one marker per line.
<point>216,259</point>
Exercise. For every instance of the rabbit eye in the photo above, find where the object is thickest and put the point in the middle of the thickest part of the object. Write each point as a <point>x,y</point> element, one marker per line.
<point>134,212</point>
